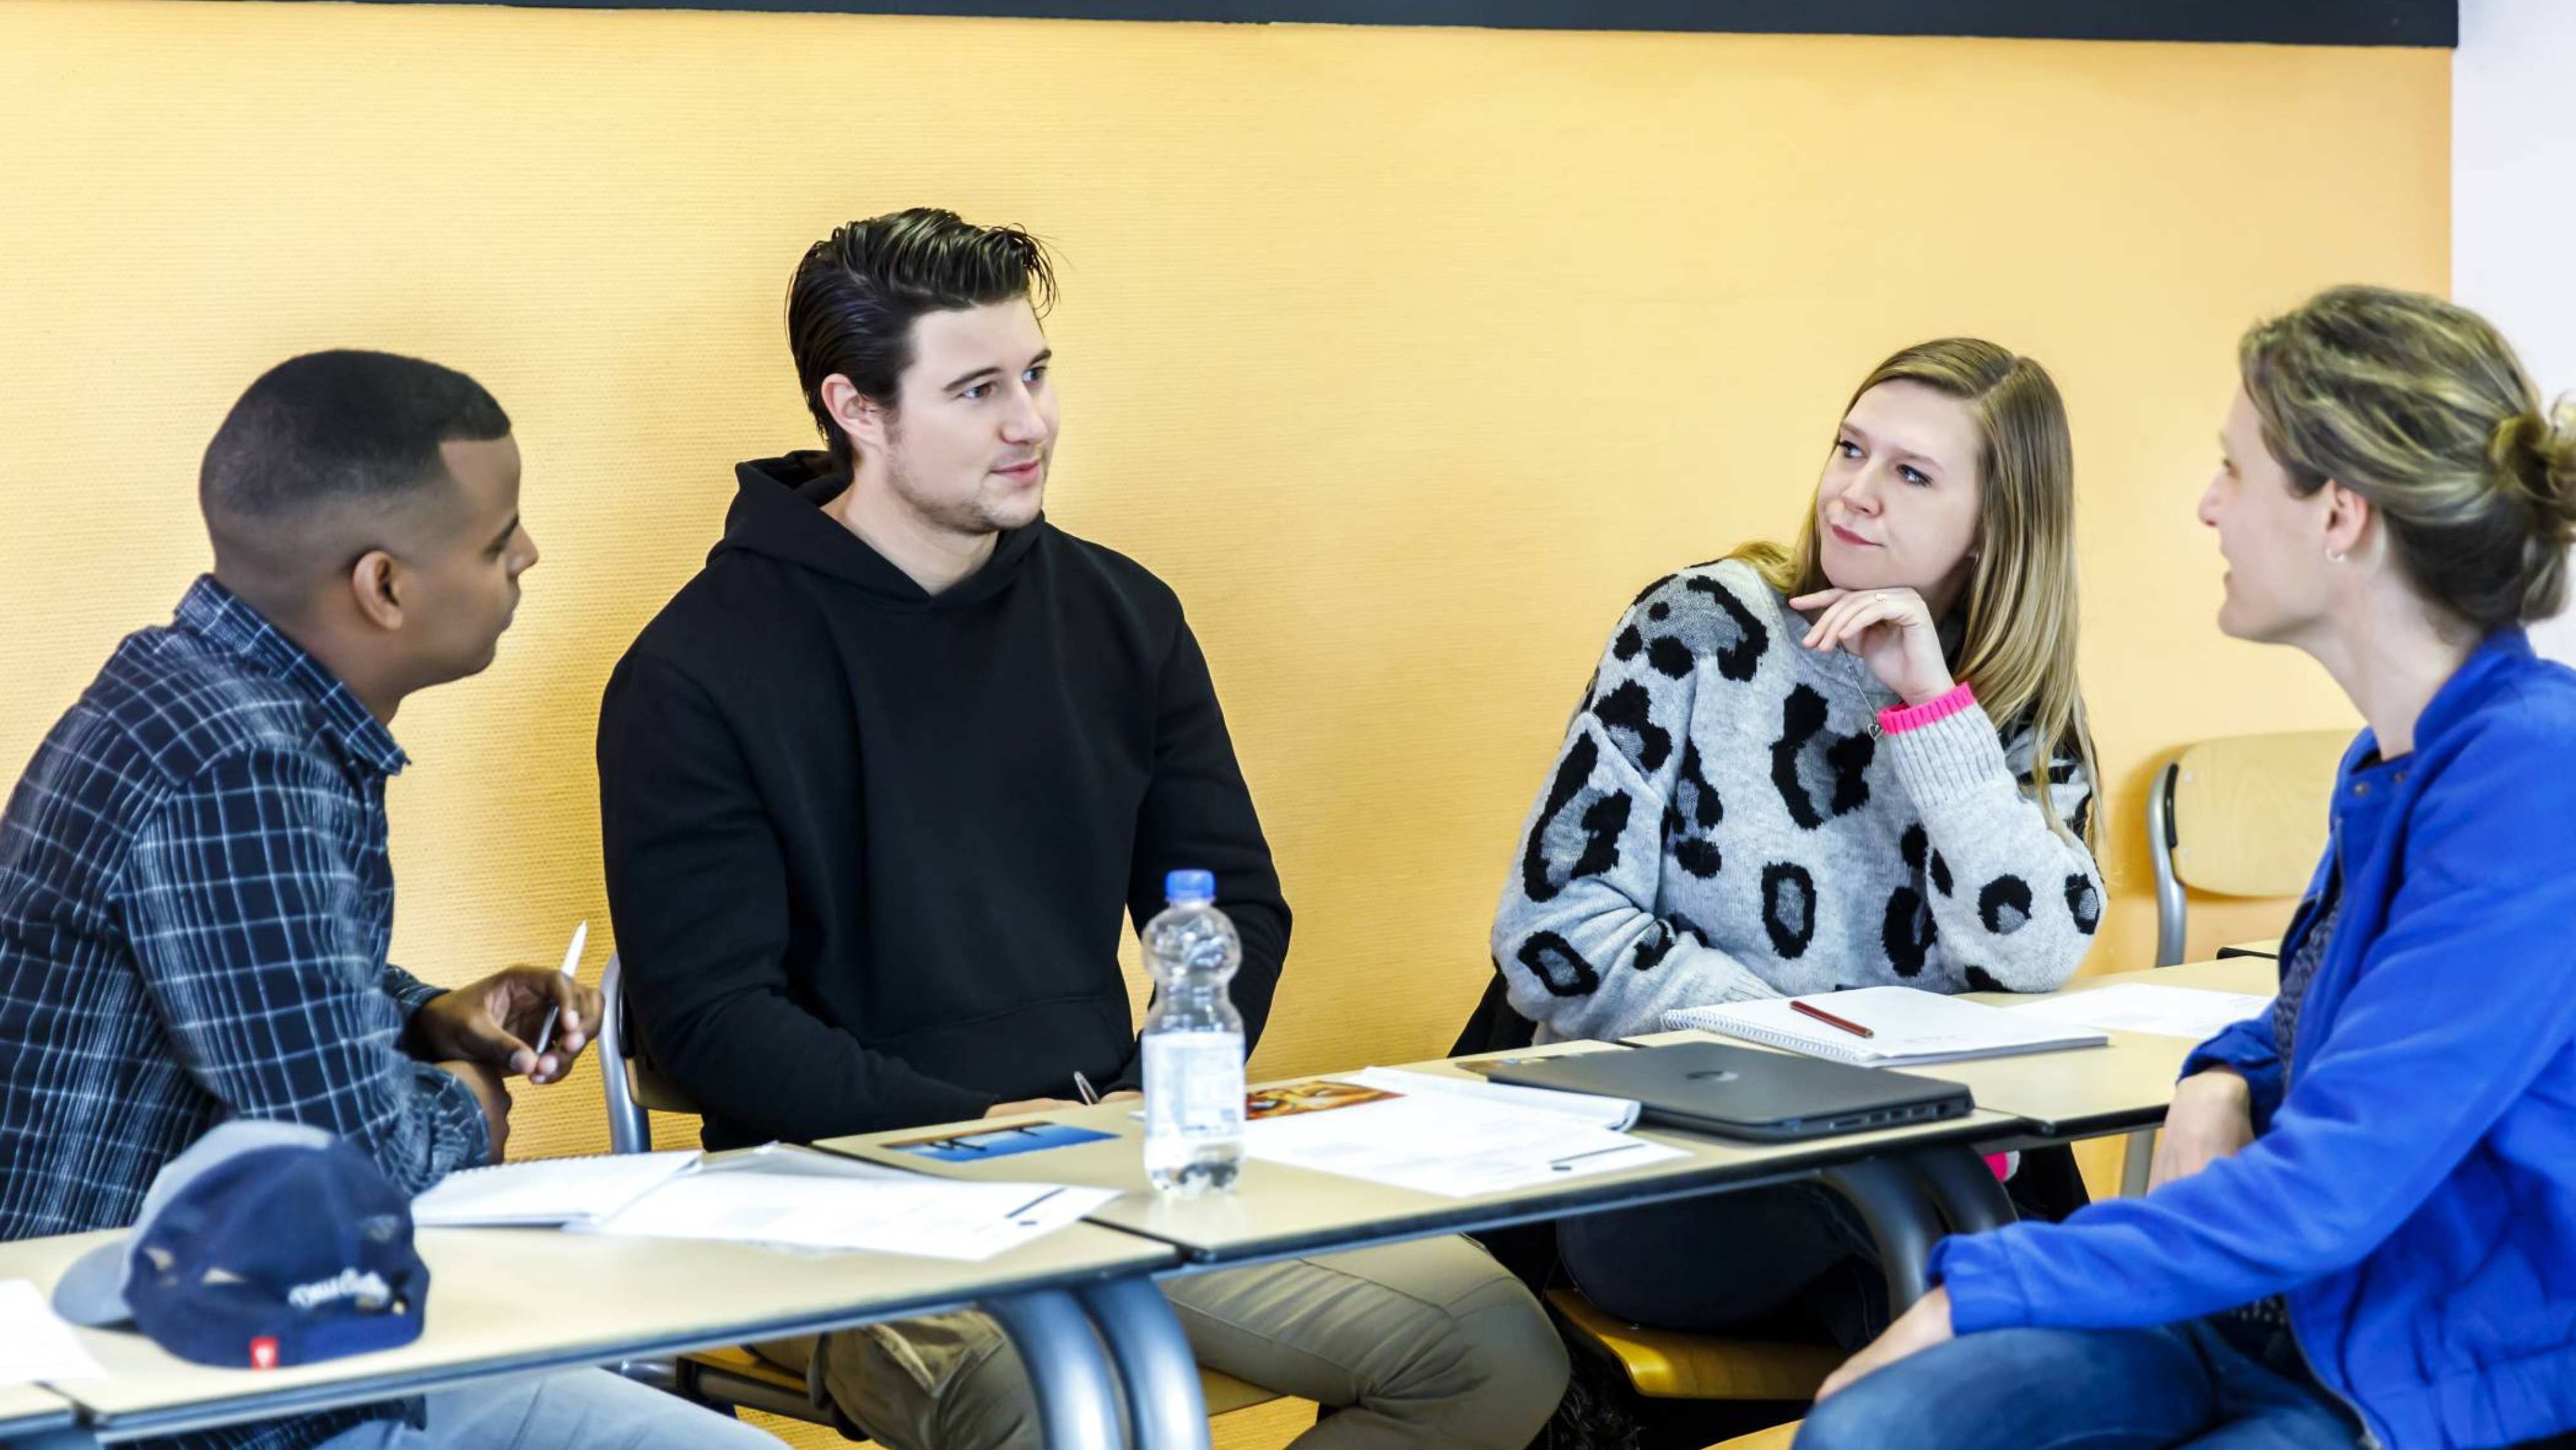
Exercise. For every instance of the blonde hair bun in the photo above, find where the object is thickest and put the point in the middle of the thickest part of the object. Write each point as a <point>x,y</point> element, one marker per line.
<point>2420,406</point>
<point>2535,456</point>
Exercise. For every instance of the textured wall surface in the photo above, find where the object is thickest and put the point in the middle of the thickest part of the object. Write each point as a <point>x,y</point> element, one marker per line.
<point>1406,356</point>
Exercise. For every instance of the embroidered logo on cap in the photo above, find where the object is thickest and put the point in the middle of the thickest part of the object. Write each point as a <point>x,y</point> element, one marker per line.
<point>369,1290</point>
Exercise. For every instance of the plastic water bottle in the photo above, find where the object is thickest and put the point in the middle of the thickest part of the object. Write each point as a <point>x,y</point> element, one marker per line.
<point>1193,1041</point>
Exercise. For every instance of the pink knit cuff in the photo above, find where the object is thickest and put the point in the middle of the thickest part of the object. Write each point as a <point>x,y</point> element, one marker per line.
<point>1897,719</point>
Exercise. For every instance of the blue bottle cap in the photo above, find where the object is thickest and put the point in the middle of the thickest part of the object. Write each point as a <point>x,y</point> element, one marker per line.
<point>1189,886</point>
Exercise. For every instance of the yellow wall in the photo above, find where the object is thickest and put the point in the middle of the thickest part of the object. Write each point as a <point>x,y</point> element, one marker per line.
<point>1406,356</point>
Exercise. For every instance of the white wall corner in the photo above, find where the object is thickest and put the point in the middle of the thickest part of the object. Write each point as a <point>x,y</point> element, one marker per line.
<point>2513,205</point>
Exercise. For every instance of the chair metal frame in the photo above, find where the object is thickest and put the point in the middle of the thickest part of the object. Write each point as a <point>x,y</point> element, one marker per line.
<point>630,1130</point>
<point>2172,901</point>
<point>2173,904</point>
<point>630,1123</point>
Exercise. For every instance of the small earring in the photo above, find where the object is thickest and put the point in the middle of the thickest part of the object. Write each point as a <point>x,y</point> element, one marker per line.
<point>2334,556</point>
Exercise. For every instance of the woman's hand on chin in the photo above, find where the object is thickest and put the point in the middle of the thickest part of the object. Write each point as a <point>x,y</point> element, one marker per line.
<point>1892,632</point>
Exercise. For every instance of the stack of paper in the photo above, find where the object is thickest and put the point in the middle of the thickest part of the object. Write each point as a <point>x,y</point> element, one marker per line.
<point>2193,1012</point>
<point>880,1211</point>
<point>781,1195</point>
<point>1616,1114</point>
<point>546,1192</point>
<point>1907,1026</point>
<point>35,1345</point>
<point>1454,1144</point>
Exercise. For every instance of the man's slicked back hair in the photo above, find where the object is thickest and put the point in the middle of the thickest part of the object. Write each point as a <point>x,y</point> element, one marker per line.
<point>338,428</point>
<point>851,305</point>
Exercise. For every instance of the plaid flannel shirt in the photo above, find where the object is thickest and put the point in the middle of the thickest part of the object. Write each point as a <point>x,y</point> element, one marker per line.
<point>195,904</point>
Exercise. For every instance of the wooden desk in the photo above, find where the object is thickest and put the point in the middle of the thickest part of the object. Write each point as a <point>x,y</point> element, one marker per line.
<point>2252,974</point>
<point>28,1412</point>
<point>2085,1092</point>
<point>1278,1212</point>
<point>2078,1093</point>
<point>498,1306</point>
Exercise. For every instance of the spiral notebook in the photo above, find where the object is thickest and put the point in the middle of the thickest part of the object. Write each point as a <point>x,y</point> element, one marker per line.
<point>1909,1027</point>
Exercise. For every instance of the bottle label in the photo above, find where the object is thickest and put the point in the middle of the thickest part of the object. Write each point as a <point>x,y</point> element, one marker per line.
<point>1194,1084</point>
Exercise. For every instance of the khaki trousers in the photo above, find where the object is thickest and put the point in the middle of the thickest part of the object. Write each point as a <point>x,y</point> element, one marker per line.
<point>1422,1344</point>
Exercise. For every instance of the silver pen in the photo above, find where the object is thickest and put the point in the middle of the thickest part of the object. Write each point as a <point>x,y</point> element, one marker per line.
<point>571,962</point>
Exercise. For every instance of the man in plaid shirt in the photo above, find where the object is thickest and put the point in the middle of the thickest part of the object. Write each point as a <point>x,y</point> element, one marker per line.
<point>195,898</point>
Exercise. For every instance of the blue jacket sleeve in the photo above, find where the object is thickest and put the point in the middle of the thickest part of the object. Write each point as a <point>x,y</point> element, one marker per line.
<point>2460,1003</point>
<point>2250,1049</point>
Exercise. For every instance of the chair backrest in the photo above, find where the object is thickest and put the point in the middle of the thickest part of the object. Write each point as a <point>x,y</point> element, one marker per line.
<point>2243,816</point>
<point>634,1090</point>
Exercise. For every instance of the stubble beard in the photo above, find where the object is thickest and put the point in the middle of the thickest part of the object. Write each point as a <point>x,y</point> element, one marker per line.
<point>973,516</point>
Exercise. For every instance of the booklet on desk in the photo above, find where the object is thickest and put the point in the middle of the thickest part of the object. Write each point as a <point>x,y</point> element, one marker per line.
<point>1908,1027</point>
<point>547,1192</point>
<point>868,1207</point>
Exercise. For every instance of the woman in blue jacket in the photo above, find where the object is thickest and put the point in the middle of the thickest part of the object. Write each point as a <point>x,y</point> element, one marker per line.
<point>2363,1223</point>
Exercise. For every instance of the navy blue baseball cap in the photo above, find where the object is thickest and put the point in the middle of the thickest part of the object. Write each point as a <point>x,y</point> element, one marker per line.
<point>264,1244</point>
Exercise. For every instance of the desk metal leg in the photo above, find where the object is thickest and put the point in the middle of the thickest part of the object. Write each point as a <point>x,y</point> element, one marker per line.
<point>2137,1162</point>
<point>1901,1218</point>
<point>1165,1405</point>
<point>1077,1401</point>
<point>1966,1191</point>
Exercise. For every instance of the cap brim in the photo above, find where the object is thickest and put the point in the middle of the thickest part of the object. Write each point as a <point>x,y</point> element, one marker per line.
<point>92,1290</point>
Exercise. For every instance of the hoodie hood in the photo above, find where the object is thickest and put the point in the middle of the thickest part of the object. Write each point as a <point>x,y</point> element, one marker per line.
<point>778,512</point>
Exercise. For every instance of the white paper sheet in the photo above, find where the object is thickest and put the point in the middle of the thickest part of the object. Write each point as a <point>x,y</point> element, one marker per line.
<point>1909,1027</point>
<point>546,1191</point>
<point>795,1160</point>
<point>2193,1012</point>
<point>1449,1145</point>
<point>908,1214</point>
<point>36,1346</point>
<point>1601,1112</point>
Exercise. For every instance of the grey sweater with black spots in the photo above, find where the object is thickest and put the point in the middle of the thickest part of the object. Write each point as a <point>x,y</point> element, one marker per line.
<point>1726,822</point>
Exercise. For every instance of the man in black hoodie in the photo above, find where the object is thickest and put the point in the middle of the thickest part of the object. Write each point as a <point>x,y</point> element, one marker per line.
<point>876,790</point>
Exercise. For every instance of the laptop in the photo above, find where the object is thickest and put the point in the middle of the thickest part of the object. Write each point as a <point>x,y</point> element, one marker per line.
<point>1744,1092</point>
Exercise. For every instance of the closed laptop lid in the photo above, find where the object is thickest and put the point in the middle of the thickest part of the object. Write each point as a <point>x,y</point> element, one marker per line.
<point>1744,1091</point>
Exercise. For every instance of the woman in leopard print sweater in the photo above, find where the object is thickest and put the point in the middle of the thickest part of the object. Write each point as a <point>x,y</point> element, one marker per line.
<point>1862,763</point>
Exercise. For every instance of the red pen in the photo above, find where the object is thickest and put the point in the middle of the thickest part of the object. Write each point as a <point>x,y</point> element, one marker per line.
<point>1829,1019</point>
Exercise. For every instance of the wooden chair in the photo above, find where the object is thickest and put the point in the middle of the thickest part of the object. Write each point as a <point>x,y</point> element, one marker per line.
<point>724,1378</point>
<point>1668,1364</point>
<point>2243,816</point>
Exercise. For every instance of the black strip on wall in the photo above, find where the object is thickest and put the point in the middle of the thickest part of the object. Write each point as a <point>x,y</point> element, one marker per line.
<point>2280,22</point>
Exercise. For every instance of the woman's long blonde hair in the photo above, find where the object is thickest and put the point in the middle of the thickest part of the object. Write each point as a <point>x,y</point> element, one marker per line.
<point>2017,641</point>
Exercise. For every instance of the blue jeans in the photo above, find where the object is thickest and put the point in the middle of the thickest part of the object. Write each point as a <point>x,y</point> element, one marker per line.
<point>2087,1389</point>
<point>589,1408</point>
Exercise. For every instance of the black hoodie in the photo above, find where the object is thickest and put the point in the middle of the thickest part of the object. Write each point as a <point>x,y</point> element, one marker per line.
<point>869,848</point>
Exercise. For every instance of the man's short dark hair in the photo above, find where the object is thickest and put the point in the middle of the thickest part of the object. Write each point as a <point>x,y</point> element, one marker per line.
<point>340,427</point>
<point>851,306</point>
